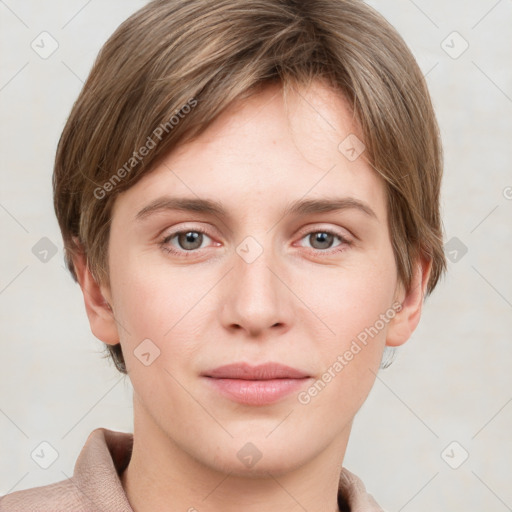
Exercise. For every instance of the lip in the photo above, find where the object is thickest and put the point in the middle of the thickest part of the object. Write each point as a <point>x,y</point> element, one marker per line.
<point>255,385</point>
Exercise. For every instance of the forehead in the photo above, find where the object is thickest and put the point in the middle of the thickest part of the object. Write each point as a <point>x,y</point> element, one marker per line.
<point>264,151</point>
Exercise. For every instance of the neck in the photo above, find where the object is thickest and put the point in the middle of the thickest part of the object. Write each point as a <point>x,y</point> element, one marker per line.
<point>162,476</point>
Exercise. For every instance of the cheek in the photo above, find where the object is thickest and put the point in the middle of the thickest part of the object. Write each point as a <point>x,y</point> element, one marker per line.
<point>156,302</point>
<point>357,308</point>
<point>357,296</point>
<point>359,312</point>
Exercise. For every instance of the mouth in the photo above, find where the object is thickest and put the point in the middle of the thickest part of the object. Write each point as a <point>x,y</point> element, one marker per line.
<point>255,385</point>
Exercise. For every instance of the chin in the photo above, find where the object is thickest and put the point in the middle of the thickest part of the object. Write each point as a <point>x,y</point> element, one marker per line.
<point>256,457</point>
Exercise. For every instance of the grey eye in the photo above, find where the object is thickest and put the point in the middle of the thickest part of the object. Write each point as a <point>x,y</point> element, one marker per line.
<point>322,239</point>
<point>190,240</point>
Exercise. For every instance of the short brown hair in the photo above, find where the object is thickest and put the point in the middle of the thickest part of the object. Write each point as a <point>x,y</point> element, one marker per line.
<point>187,60</point>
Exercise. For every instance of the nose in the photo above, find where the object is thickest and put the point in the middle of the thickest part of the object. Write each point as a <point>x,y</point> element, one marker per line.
<point>256,298</point>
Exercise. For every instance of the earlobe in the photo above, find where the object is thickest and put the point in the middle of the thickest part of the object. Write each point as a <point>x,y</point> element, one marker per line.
<point>406,320</point>
<point>99,311</point>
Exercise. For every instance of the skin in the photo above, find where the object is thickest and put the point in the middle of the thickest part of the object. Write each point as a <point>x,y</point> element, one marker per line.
<point>301,303</point>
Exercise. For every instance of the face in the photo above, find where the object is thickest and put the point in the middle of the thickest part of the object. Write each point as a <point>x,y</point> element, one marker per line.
<point>253,276</point>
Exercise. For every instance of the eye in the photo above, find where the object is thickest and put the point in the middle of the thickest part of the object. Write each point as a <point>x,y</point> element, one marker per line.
<point>186,243</point>
<point>183,242</point>
<point>322,240</point>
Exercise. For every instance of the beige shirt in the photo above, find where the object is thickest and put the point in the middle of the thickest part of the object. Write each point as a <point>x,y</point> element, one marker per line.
<point>96,486</point>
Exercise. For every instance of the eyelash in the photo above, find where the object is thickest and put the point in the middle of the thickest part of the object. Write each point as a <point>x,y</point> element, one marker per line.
<point>169,249</point>
<point>164,243</point>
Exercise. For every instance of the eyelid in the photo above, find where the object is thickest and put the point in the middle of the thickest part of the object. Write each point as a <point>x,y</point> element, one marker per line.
<point>166,246</point>
<point>311,229</point>
<point>343,233</point>
<point>303,232</point>
<point>170,232</point>
<point>166,237</point>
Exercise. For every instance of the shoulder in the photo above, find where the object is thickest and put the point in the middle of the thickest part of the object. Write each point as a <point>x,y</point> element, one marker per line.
<point>94,486</point>
<point>58,496</point>
<point>355,495</point>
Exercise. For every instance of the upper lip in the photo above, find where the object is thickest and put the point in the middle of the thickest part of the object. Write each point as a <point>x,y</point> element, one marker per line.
<point>265,371</point>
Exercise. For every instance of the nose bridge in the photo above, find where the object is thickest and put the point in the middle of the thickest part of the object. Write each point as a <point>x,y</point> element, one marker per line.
<point>256,299</point>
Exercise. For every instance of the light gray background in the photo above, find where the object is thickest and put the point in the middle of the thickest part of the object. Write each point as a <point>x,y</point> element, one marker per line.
<point>451,382</point>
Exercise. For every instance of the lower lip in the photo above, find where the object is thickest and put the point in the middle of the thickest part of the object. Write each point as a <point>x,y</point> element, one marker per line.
<point>256,392</point>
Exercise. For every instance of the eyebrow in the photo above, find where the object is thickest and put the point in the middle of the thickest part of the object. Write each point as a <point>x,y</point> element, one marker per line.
<point>299,207</point>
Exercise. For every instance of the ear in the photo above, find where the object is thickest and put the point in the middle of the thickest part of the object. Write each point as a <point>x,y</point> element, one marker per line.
<point>406,320</point>
<point>99,312</point>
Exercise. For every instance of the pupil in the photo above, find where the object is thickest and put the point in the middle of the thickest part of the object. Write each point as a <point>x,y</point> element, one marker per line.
<point>190,238</point>
<point>323,239</point>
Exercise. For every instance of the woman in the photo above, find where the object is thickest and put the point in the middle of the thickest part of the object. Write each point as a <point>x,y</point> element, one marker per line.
<point>248,194</point>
